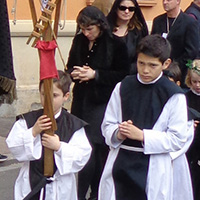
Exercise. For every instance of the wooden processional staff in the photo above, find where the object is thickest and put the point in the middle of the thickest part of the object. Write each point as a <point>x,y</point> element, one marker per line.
<point>44,33</point>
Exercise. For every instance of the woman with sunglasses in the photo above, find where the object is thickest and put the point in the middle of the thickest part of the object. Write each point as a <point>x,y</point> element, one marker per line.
<point>128,24</point>
<point>96,63</point>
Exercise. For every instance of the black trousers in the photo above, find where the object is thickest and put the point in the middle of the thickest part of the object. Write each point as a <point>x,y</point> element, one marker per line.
<point>90,175</point>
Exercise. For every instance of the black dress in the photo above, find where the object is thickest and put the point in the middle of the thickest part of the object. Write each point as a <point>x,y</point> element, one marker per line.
<point>109,58</point>
<point>131,39</point>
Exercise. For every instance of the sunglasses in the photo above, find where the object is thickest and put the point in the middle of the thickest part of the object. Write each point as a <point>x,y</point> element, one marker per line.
<point>123,8</point>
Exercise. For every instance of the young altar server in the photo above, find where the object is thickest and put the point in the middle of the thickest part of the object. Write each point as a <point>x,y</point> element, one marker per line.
<point>145,125</point>
<point>69,143</point>
<point>193,98</point>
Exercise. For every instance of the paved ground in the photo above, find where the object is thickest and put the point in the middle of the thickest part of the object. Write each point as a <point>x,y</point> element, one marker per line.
<point>5,126</point>
<point>10,168</point>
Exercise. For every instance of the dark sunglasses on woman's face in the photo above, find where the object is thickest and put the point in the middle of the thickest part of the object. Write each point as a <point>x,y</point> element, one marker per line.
<point>123,8</point>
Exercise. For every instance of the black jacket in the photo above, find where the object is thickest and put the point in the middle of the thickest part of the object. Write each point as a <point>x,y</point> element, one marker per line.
<point>183,37</point>
<point>194,10</point>
<point>109,58</point>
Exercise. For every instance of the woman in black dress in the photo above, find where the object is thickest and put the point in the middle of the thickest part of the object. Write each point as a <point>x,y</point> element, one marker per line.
<point>128,25</point>
<point>96,63</point>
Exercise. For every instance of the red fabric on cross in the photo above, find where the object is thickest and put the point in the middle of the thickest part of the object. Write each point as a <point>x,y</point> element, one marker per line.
<point>47,59</point>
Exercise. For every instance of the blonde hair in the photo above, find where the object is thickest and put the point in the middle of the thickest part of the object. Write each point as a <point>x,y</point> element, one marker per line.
<point>195,67</point>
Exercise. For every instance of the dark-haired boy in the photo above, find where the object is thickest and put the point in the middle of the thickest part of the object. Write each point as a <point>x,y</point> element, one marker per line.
<point>69,143</point>
<point>145,125</point>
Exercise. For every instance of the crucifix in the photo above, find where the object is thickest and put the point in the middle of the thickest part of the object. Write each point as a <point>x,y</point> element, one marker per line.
<point>44,36</point>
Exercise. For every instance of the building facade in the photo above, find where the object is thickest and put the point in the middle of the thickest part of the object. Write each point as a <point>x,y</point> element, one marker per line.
<point>25,57</point>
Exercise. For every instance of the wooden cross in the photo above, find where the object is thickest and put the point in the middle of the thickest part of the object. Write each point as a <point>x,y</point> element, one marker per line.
<point>43,30</point>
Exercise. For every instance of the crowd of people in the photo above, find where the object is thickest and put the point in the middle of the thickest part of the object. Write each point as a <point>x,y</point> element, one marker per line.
<point>133,128</point>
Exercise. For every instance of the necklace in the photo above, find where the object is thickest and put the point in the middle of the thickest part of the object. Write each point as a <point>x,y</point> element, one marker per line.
<point>172,22</point>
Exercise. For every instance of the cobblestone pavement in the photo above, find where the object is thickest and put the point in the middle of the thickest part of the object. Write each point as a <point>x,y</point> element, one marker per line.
<point>10,168</point>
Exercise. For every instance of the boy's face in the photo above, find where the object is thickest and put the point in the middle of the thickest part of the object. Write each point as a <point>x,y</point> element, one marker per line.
<point>58,98</point>
<point>149,68</point>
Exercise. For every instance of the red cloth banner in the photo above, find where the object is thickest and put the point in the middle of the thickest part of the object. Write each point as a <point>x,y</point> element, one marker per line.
<point>47,59</point>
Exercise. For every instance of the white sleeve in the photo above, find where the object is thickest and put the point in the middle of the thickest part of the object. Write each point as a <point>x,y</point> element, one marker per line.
<point>190,137</point>
<point>169,133</point>
<point>22,144</point>
<point>112,118</point>
<point>72,156</point>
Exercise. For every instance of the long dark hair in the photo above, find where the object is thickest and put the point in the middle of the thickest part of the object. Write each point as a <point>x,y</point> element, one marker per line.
<point>91,15</point>
<point>137,21</point>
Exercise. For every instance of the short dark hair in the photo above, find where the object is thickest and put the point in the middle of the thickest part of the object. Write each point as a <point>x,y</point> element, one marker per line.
<point>173,71</point>
<point>63,82</point>
<point>91,15</point>
<point>155,46</point>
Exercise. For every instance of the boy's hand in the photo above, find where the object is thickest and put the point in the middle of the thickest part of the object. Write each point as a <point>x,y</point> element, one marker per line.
<point>128,130</point>
<point>43,123</point>
<point>51,141</point>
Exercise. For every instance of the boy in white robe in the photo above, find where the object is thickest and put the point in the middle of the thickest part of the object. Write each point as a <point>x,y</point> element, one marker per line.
<point>145,125</point>
<point>69,143</point>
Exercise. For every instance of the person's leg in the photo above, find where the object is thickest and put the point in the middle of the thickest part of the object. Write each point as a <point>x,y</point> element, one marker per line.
<point>100,160</point>
<point>85,176</point>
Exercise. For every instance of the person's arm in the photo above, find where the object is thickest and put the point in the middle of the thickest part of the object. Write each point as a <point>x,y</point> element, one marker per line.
<point>72,156</point>
<point>191,46</point>
<point>74,53</point>
<point>190,137</point>
<point>112,119</point>
<point>169,133</point>
<point>192,15</point>
<point>158,26</point>
<point>153,29</point>
<point>22,144</point>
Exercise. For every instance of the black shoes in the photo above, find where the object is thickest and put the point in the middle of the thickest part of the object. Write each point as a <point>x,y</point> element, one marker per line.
<point>3,158</point>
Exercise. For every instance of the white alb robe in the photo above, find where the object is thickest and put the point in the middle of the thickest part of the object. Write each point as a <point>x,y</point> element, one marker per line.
<point>70,159</point>
<point>168,174</point>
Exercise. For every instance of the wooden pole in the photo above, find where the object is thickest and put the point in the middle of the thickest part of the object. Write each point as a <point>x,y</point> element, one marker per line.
<point>48,110</point>
<point>47,35</point>
<point>48,107</point>
<point>57,17</point>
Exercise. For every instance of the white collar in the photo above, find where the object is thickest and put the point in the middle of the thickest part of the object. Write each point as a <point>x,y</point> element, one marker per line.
<point>57,114</point>
<point>152,82</point>
<point>198,94</point>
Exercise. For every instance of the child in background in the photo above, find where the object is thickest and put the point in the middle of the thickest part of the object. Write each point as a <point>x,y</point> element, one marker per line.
<point>173,73</point>
<point>193,82</point>
<point>69,143</point>
<point>145,131</point>
<point>193,98</point>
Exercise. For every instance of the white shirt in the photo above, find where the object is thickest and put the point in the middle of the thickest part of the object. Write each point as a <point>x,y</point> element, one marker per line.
<point>168,136</point>
<point>69,159</point>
